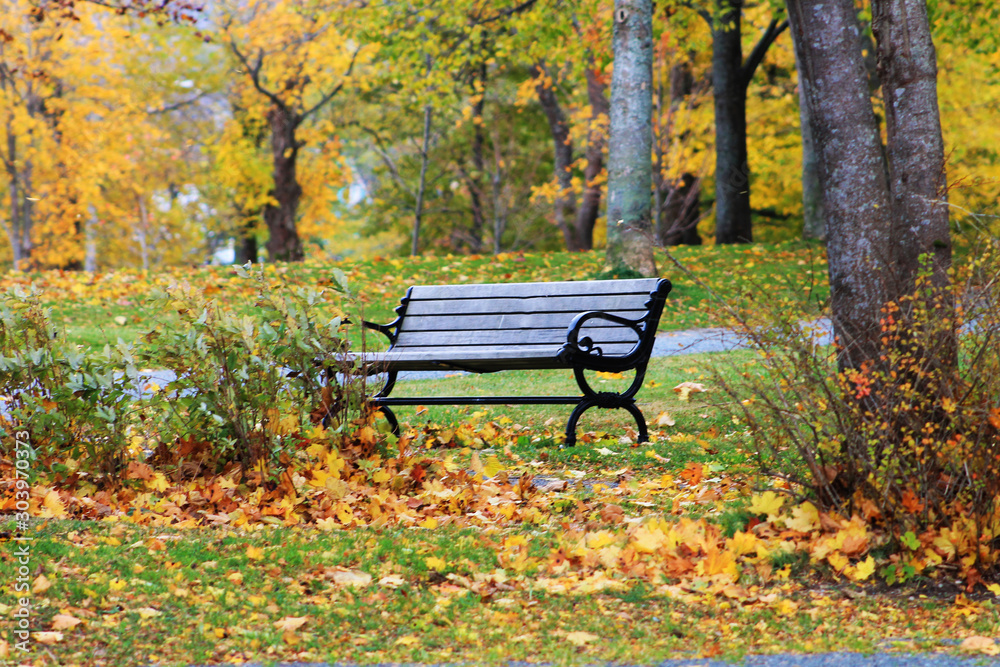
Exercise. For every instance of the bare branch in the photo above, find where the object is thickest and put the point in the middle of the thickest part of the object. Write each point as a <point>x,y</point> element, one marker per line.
<point>756,57</point>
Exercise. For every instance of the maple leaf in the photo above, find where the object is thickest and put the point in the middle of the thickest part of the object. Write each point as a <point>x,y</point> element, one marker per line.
<point>53,505</point>
<point>805,518</point>
<point>158,482</point>
<point>435,563</point>
<point>255,553</point>
<point>864,569</point>
<point>768,503</point>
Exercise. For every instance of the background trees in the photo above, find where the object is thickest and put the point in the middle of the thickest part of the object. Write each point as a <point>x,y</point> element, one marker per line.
<point>321,127</point>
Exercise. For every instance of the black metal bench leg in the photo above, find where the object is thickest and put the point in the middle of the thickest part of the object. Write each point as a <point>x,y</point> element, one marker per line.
<point>574,417</point>
<point>389,417</point>
<point>640,421</point>
<point>586,404</point>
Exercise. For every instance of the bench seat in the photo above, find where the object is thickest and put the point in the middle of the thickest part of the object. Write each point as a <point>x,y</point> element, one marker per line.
<point>605,325</point>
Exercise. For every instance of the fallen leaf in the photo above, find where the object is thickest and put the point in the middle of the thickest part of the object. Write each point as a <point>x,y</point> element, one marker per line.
<point>64,622</point>
<point>980,644</point>
<point>685,389</point>
<point>47,637</point>
<point>408,640</point>
<point>40,584</point>
<point>291,623</point>
<point>768,503</point>
<point>148,612</point>
<point>255,553</point>
<point>663,419</point>
<point>392,581</point>
<point>579,638</point>
<point>355,578</point>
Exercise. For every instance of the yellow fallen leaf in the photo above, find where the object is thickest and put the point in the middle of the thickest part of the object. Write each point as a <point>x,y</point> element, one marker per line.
<point>864,569</point>
<point>40,584</point>
<point>47,637</point>
<point>805,518</point>
<point>255,553</point>
<point>492,467</point>
<point>994,588</point>
<point>64,622</point>
<point>148,612</point>
<point>291,623</point>
<point>579,638</point>
<point>435,563</point>
<point>53,505</point>
<point>600,539</point>
<point>158,482</point>
<point>117,585</point>
<point>768,503</point>
<point>685,389</point>
<point>430,523</point>
<point>408,640</point>
<point>4,649</point>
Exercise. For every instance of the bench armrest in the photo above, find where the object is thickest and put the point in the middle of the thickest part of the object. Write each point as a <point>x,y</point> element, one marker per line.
<point>387,329</point>
<point>585,344</point>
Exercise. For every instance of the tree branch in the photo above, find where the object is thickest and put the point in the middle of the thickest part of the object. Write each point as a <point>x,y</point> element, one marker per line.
<point>753,61</point>
<point>330,95</point>
<point>254,72</point>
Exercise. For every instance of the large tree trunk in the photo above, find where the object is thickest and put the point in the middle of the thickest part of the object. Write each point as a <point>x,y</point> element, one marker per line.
<point>284,243</point>
<point>732,172</point>
<point>631,143</point>
<point>853,177</point>
<point>907,66</point>
<point>565,202</point>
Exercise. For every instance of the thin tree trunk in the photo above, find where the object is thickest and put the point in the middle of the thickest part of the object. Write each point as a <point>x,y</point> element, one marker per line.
<point>284,243</point>
<point>732,171</point>
<point>907,65</point>
<point>813,224</point>
<point>853,177</point>
<point>418,213</point>
<point>142,233</point>
<point>565,203</point>
<point>630,157</point>
<point>474,236</point>
<point>681,212</point>
<point>590,203</point>
<point>90,241</point>
<point>499,208</point>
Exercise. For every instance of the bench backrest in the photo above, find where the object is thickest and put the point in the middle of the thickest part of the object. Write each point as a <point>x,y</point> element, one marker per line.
<point>527,316</point>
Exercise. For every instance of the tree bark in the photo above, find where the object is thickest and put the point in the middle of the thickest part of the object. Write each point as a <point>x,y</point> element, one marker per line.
<point>284,243</point>
<point>813,218</point>
<point>630,155</point>
<point>853,176</point>
<point>907,67</point>
<point>680,211</point>
<point>732,171</point>
<point>565,202</point>
<point>418,213</point>
<point>590,202</point>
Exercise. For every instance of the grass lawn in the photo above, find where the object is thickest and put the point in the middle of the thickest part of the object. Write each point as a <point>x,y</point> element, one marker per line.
<point>475,538</point>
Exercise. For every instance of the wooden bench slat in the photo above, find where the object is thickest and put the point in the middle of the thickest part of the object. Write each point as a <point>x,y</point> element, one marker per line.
<point>505,337</point>
<point>560,305</point>
<point>640,287</point>
<point>505,321</point>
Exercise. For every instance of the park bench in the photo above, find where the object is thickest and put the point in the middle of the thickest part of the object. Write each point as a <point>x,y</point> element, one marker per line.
<point>599,325</point>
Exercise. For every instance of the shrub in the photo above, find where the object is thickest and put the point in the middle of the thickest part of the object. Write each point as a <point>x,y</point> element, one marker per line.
<point>75,405</point>
<point>247,384</point>
<point>910,441</point>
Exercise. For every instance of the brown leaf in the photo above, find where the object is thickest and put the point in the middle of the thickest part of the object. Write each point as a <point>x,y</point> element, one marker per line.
<point>64,622</point>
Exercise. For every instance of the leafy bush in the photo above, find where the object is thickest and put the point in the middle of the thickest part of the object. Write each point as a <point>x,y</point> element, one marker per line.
<point>247,384</point>
<point>910,441</point>
<point>75,405</point>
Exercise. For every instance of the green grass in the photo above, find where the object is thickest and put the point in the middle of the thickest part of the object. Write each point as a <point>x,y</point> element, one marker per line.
<point>86,305</point>
<point>147,595</point>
